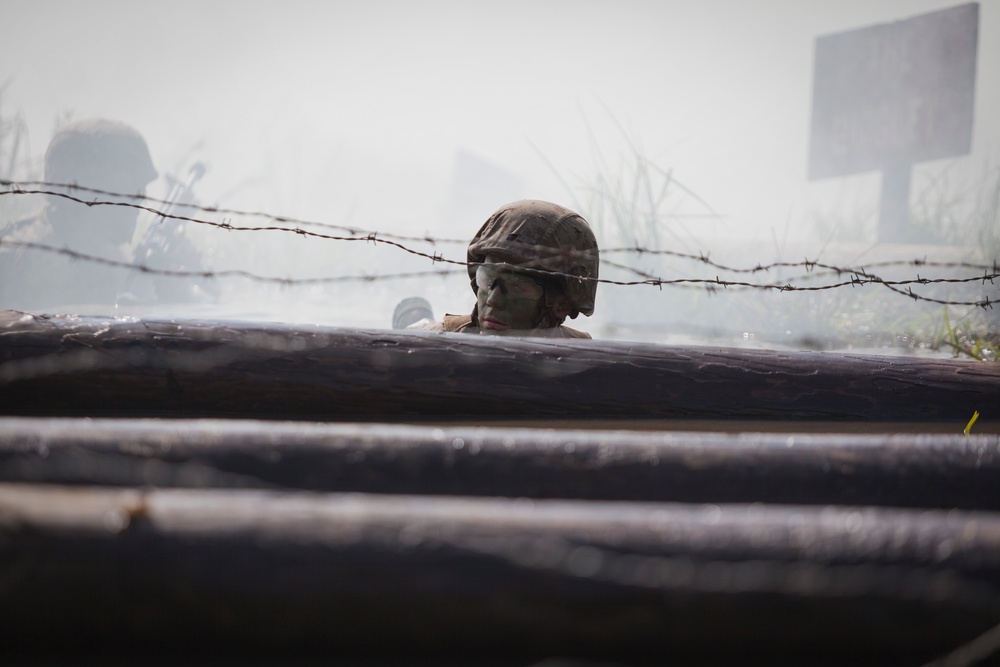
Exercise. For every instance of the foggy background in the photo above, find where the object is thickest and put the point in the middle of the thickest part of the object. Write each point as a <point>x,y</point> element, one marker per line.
<point>422,118</point>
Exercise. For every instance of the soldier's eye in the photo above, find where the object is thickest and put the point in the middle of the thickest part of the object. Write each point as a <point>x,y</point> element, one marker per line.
<point>524,287</point>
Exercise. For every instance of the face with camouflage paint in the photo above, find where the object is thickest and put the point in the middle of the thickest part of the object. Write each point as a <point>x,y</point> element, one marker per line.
<point>508,299</point>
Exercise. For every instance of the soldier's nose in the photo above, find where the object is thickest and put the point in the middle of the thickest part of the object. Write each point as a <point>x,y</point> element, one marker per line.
<point>495,296</point>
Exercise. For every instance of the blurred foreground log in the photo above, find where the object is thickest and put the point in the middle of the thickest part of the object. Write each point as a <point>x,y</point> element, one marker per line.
<point>102,367</point>
<point>922,470</point>
<point>498,581</point>
<point>257,540</point>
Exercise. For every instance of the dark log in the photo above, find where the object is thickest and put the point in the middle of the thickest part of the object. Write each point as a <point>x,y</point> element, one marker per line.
<point>500,581</point>
<point>95,367</point>
<point>917,470</point>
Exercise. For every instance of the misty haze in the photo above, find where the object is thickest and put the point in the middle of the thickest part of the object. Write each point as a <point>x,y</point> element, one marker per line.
<point>533,333</point>
<point>689,135</point>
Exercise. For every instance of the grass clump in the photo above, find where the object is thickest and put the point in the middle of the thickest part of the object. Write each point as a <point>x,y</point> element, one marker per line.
<point>970,338</point>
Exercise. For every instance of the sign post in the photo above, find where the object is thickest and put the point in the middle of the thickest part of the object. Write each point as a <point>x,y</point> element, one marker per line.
<point>888,96</point>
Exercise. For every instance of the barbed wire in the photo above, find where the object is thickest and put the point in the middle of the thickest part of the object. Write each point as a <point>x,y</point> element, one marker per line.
<point>807,264</point>
<point>371,237</point>
<point>356,231</point>
<point>226,273</point>
<point>857,279</point>
<point>859,276</point>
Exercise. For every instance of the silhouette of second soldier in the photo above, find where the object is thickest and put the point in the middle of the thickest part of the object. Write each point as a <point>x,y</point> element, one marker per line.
<point>102,154</point>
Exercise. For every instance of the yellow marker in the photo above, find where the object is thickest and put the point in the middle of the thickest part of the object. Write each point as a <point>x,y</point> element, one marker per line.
<point>968,427</point>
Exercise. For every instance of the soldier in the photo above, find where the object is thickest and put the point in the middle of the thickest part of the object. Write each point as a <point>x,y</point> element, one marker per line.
<point>101,154</point>
<point>531,265</point>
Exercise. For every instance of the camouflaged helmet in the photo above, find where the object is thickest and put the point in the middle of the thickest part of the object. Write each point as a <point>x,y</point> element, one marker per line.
<point>542,238</point>
<point>99,153</point>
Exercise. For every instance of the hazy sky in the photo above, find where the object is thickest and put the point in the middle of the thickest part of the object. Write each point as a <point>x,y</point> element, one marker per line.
<point>289,102</point>
<point>337,110</point>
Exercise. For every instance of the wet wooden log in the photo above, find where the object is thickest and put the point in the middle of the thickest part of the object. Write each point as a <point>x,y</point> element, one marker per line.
<point>95,367</point>
<point>915,470</point>
<point>90,571</point>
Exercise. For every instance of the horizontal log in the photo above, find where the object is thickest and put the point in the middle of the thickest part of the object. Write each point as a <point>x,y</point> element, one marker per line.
<point>915,470</point>
<point>92,570</point>
<point>108,367</point>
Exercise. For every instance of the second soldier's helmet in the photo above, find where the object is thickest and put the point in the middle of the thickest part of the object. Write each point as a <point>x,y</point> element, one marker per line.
<point>543,239</point>
<point>99,153</point>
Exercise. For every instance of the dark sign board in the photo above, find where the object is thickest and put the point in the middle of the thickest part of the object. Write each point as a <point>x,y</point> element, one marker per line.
<point>894,94</point>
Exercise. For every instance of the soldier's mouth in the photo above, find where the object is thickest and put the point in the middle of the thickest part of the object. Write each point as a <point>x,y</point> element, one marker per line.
<point>489,323</point>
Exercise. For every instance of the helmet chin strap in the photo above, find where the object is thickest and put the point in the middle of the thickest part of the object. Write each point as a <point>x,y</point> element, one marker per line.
<point>546,309</point>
